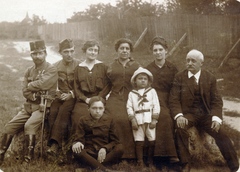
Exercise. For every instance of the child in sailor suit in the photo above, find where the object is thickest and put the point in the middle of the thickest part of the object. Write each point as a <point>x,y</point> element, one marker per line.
<point>143,110</point>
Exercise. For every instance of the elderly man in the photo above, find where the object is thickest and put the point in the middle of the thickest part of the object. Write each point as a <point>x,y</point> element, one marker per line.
<point>61,108</point>
<point>195,101</point>
<point>38,80</point>
<point>95,141</point>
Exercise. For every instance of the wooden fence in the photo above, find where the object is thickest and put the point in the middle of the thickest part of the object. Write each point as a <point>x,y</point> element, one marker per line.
<point>212,34</point>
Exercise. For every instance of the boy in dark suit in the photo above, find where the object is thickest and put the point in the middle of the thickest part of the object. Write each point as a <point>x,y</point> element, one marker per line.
<point>95,141</point>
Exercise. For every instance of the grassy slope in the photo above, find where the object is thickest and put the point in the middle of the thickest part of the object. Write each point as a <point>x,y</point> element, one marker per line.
<point>12,99</point>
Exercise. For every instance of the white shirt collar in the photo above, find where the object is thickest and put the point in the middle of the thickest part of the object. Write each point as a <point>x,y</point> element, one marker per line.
<point>85,64</point>
<point>197,75</point>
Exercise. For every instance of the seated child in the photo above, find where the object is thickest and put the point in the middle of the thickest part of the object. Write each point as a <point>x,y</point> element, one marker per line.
<point>95,141</point>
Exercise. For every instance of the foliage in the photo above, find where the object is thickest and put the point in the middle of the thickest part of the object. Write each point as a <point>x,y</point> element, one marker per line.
<point>95,12</point>
<point>36,20</point>
<point>232,7</point>
<point>129,9</point>
<point>8,30</point>
<point>140,8</point>
<point>137,8</point>
<point>123,9</point>
<point>198,6</point>
<point>223,7</point>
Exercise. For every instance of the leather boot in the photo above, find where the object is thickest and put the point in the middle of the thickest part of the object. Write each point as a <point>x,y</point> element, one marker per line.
<point>150,153</point>
<point>139,153</point>
<point>30,143</point>
<point>5,142</point>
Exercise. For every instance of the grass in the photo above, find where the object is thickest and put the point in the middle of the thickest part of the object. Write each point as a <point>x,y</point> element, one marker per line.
<point>12,99</point>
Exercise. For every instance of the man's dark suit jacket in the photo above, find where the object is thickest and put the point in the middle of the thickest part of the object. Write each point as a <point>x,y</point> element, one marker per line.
<point>182,94</point>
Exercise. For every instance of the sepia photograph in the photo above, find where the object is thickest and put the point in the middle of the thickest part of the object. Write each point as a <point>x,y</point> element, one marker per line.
<point>120,85</point>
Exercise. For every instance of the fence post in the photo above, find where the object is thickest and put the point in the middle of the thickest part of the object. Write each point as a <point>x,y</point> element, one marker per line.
<point>177,44</point>
<point>140,38</point>
<point>226,57</point>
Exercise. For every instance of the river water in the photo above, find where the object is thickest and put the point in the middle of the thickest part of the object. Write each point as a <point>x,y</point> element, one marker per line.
<point>23,47</point>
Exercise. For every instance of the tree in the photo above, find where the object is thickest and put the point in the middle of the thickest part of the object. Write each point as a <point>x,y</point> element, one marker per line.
<point>137,8</point>
<point>36,20</point>
<point>140,8</point>
<point>172,6</point>
<point>95,12</point>
<point>199,6</point>
<point>123,9</point>
<point>232,7</point>
<point>9,30</point>
<point>78,17</point>
<point>203,6</point>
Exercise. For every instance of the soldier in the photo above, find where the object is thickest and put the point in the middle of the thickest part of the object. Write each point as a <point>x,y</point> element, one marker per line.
<point>61,108</point>
<point>38,80</point>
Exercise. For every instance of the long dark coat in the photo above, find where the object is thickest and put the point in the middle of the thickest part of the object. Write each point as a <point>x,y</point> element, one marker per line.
<point>162,82</point>
<point>119,77</point>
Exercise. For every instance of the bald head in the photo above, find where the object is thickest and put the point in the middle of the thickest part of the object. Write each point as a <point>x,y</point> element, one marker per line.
<point>194,61</point>
<point>196,54</point>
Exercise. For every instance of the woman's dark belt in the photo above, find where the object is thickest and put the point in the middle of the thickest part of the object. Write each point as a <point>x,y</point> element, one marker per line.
<point>143,110</point>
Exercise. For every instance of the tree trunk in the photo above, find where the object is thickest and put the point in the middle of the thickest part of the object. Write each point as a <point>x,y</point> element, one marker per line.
<point>203,149</point>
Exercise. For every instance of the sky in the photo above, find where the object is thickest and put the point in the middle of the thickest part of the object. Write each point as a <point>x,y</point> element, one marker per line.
<point>51,10</point>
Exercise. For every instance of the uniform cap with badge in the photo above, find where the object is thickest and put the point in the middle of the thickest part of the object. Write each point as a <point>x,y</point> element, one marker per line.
<point>66,44</point>
<point>37,46</point>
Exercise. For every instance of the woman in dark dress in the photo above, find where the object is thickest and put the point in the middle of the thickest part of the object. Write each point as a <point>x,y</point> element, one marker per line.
<point>163,73</point>
<point>89,80</point>
<point>119,74</point>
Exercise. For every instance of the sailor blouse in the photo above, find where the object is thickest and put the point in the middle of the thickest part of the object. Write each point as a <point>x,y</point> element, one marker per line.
<point>144,105</point>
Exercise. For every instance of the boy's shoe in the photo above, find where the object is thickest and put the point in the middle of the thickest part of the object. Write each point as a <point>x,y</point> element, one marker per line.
<point>53,150</point>
<point>140,163</point>
<point>81,170</point>
<point>173,160</point>
<point>186,168</point>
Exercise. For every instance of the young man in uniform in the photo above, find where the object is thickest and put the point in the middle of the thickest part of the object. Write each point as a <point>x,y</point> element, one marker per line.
<point>59,118</point>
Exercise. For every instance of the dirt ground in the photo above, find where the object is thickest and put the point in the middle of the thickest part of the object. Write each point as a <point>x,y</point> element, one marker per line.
<point>232,105</point>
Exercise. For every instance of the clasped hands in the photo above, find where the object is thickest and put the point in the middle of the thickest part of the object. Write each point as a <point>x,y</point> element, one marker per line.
<point>182,122</point>
<point>64,96</point>
<point>78,147</point>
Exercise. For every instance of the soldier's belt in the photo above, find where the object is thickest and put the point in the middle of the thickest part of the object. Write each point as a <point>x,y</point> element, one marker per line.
<point>48,97</point>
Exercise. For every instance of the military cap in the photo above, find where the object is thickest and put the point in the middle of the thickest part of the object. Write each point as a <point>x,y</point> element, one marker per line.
<point>37,46</point>
<point>65,44</point>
